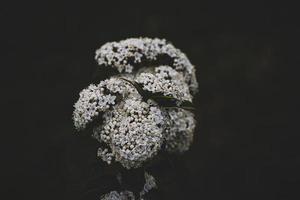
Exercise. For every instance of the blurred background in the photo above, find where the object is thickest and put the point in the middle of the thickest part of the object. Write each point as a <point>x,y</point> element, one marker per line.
<point>245,54</point>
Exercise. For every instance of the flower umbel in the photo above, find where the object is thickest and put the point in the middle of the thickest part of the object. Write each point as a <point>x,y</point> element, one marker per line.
<point>144,109</point>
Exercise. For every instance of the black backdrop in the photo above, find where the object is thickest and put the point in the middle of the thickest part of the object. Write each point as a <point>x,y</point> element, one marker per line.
<point>243,145</point>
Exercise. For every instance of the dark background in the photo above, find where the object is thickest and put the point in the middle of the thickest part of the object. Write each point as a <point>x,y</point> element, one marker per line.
<point>245,143</point>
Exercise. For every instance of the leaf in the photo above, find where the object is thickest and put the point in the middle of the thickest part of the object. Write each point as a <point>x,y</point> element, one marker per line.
<point>145,94</point>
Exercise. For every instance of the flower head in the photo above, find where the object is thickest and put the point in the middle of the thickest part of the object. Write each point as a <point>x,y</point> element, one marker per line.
<point>131,54</point>
<point>139,109</point>
<point>133,131</point>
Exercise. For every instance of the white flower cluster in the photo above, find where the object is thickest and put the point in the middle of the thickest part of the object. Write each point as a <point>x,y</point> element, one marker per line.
<point>180,130</point>
<point>133,131</point>
<point>92,101</point>
<point>98,98</point>
<point>134,52</point>
<point>150,183</point>
<point>114,195</point>
<point>131,128</point>
<point>165,80</point>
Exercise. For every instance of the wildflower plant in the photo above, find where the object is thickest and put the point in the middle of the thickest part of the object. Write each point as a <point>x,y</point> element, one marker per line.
<point>143,109</point>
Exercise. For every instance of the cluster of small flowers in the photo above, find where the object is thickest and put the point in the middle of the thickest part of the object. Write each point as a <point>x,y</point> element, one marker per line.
<point>105,155</point>
<point>99,98</point>
<point>133,131</point>
<point>119,86</point>
<point>150,183</point>
<point>132,128</point>
<point>137,111</point>
<point>92,100</point>
<point>165,80</point>
<point>114,195</point>
<point>130,53</point>
<point>180,130</point>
